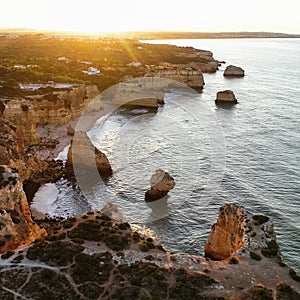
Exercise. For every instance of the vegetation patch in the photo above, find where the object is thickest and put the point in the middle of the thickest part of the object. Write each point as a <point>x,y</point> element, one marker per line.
<point>272,249</point>
<point>286,292</point>
<point>294,275</point>
<point>116,242</point>
<point>57,253</point>
<point>95,268</point>
<point>233,261</point>
<point>255,256</point>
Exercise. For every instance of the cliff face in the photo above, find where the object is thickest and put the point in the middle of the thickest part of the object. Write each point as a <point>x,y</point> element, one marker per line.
<point>95,257</point>
<point>69,104</point>
<point>192,78</point>
<point>22,115</point>
<point>227,234</point>
<point>27,114</point>
<point>16,226</point>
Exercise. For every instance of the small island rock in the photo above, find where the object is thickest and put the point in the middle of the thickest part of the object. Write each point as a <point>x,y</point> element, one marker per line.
<point>233,71</point>
<point>161,182</point>
<point>226,97</point>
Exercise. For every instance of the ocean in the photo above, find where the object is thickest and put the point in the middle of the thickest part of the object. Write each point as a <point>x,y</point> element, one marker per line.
<point>247,154</point>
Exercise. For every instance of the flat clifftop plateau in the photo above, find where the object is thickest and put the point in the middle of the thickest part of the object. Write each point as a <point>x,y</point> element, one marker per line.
<point>95,257</point>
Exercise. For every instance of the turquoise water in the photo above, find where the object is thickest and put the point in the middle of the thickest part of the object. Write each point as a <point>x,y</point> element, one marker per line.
<point>248,154</point>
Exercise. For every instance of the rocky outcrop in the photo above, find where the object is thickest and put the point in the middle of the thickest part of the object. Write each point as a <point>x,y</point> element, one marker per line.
<point>16,226</point>
<point>147,103</point>
<point>226,97</point>
<point>67,105</point>
<point>206,67</point>
<point>86,155</point>
<point>233,71</point>
<point>62,107</point>
<point>94,257</point>
<point>161,183</point>
<point>237,231</point>
<point>70,130</point>
<point>185,74</point>
<point>22,115</point>
<point>227,235</point>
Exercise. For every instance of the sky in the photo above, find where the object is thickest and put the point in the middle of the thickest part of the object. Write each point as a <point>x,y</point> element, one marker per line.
<point>94,16</point>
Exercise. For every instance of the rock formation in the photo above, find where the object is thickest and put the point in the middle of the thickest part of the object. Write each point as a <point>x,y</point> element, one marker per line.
<point>27,114</point>
<point>68,104</point>
<point>147,103</point>
<point>189,76</point>
<point>161,182</point>
<point>206,67</point>
<point>227,235</point>
<point>233,71</point>
<point>16,225</point>
<point>86,155</point>
<point>22,115</point>
<point>70,130</point>
<point>94,257</point>
<point>226,97</point>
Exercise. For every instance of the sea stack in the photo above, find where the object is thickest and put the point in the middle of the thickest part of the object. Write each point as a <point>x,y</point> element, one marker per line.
<point>161,182</point>
<point>233,71</point>
<point>226,97</point>
<point>227,234</point>
<point>87,155</point>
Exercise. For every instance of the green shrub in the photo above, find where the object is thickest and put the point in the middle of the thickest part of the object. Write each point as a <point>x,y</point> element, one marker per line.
<point>255,256</point>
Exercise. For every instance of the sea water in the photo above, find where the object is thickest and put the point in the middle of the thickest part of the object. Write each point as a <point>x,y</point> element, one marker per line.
<point>247,154</point>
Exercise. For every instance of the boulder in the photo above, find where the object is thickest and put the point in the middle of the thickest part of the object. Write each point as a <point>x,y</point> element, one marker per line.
<point>226,97</point>
<point>70,130</point>
<point>161,182</point>
<point>233,71</point>
<point>227,234</point>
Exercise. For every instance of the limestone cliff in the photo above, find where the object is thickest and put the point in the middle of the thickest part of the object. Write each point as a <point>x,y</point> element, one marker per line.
<point>21,114</point>
<point>184,74</point>
<point>227,234</point>
<point>95,257</point>
<point>16,225</point>
<point>86,156</point>
<point>64,105</point>
<point>68,104</point>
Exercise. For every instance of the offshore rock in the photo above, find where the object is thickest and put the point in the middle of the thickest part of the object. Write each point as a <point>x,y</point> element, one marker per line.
<point>227,234</point>
<point>16,226</point>
<point>226,97</point>
<point>81,148</point>
<point>161,183</point>
<point>233,71</point>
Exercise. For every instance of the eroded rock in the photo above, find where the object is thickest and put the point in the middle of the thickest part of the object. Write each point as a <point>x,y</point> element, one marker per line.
<point>233,71</point>
<point>161,183</point>
<point>226,97</point>
<point>227,234</point>
<point>16,226</point>
<point>86,155</point>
